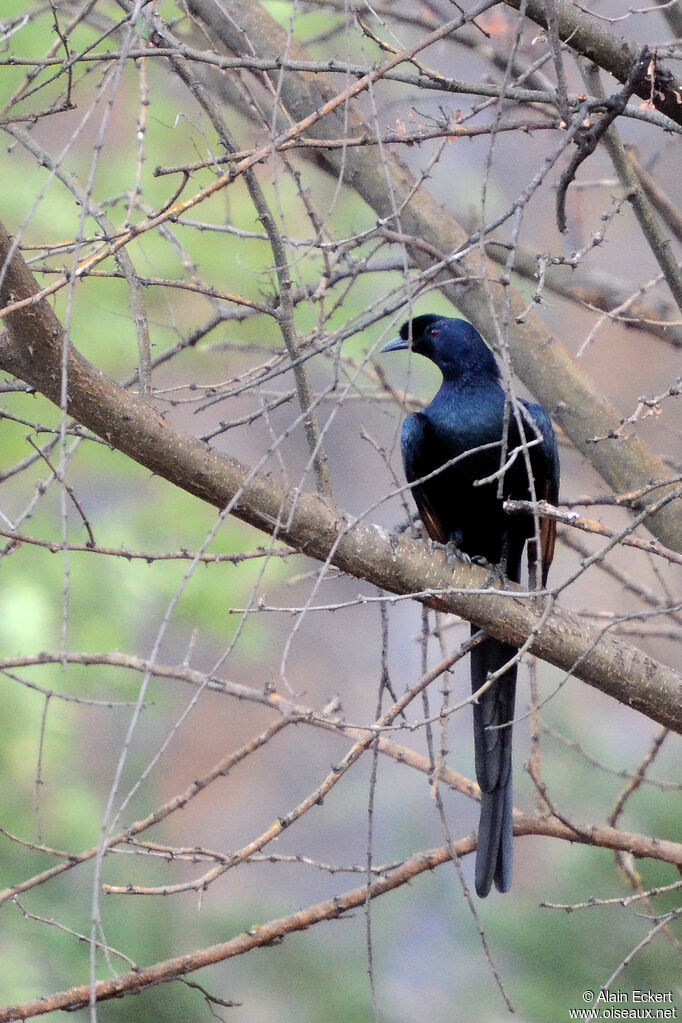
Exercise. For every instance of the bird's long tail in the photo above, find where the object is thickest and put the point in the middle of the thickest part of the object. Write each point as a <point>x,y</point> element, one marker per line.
<point>492,751</point>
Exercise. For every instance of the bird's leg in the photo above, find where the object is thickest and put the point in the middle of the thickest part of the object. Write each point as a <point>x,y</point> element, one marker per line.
<point>453,553</point>
<point>497,577</point>
<point>532,551</point>
<point>504,554</point>
<point>498,572</point>
<point>452,549</point>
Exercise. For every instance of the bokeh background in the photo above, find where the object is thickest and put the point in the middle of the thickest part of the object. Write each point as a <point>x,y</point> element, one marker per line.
<point>63,727</point>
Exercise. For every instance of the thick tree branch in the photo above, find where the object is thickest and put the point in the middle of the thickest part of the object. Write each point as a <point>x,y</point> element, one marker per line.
<point>648,221</point>
<point>538,357</point>
<point>31,349</point>
<point>590,39</point>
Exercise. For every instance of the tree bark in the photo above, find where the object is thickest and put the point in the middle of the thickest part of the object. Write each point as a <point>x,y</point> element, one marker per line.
<point>471,283</point>
<point>32,349</point>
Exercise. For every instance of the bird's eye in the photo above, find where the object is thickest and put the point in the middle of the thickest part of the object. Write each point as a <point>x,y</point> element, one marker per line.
<point>434,331</point>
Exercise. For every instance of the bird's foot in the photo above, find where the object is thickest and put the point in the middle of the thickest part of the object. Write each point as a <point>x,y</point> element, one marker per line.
<point>452,552</point>
<point>478,559</point>
<point>497,575</point>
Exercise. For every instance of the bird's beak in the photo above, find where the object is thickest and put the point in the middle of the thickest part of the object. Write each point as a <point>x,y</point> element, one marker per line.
<point>396,345</point>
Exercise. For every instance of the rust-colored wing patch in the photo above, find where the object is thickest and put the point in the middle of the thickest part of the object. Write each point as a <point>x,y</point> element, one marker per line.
<point>432,524</point>
<point>547,536</point>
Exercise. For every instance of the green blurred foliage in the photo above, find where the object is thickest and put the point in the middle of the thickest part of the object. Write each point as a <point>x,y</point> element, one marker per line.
<point>114,603</point>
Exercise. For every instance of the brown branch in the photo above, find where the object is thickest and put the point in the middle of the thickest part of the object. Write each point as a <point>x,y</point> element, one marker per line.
<point>646,217</point>
<point>150,557</point>
<point>538,357</point>
<point>548,511</point>
<point>274,931</point>
<point>31,349</point>
<point>636,779</point>
<point>425,78</point>
<point>587,37</point>
<point>412,137</point>
<point>588,138</point>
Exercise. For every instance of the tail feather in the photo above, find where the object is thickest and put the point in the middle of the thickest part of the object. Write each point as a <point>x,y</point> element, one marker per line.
<point>492,752</point>
<point>505,849</point>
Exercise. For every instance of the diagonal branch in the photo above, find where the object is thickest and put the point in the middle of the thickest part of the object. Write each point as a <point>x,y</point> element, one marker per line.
<point>260,936</point>
<point>466,277</point>
<point>31,349</point>
<point>588,38</point>
<point>587,139</point>
<point>643,209</point>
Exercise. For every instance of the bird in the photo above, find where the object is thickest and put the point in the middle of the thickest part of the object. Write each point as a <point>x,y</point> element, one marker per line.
<point>467,452</point>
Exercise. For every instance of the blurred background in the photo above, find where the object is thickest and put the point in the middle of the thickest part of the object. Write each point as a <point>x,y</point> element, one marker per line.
<point>83,142</point>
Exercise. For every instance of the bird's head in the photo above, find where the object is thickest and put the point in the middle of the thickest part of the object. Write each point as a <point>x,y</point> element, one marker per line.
<point>453,345</point>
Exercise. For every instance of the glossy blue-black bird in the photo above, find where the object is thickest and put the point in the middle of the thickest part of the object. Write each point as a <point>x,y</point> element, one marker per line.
<point>466,422</point>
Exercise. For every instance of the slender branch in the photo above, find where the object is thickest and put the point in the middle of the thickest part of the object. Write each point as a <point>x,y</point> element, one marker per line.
<point>646,216</point>
<point>587,139</point>
<point>404,137</point>
<point>588,38</point>
<point>429,81</point>
<point>660,200</point>
<point>31,349</point>
<point>538,357</point>
<point>275,930</point>
<point>555,43</point>
<point>285,313</point>
<point>545,510</point>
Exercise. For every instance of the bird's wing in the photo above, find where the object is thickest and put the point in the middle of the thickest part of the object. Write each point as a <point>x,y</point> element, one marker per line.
<point>414,444</point>
<point>546,482</point>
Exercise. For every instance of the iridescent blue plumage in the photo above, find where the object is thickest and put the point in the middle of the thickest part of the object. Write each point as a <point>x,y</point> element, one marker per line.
<point>458,441</point>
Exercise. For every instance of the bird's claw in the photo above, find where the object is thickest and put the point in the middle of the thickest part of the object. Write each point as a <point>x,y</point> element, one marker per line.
<point>497,576</point>
<point>452,552</point>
